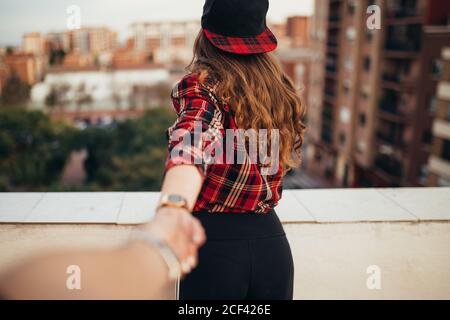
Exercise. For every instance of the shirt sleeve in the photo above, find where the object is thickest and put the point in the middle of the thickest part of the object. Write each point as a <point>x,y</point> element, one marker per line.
<point>194,130</point>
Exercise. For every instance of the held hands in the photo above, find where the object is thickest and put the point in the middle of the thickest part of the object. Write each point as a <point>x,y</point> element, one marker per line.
<point>181,232</point>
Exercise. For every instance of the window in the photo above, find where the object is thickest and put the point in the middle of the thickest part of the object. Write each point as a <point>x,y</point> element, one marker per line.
<point>342,138</point>
<point>346,90</point>
<point>427,137</point>
<point>345,115</point>
<point>448,112</point>
<point>365,92</point>
<point>361,147</point>
<point>369,36</point>
<point>346,87</point>
<point>446,150</point>
<point>348,63</point>
<point>442,182</point>
<point>432,104</point>
<point>351,34</point>
<point>351,7</point>
<point>424,172</point>
<point>362,119</point>
<point>367,63</point>
<point>318,157</point>
<point>436,68</point>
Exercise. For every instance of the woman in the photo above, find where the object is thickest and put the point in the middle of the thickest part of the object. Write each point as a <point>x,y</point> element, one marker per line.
<point>234,83</point>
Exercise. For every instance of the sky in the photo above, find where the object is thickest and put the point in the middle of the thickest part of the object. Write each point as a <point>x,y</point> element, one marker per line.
<point>20,16</point>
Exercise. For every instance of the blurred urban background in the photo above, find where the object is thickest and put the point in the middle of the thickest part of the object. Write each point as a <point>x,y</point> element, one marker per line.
<point>87,109</point>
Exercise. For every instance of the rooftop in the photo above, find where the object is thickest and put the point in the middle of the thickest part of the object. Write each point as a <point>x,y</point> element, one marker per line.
<point>335,235</point>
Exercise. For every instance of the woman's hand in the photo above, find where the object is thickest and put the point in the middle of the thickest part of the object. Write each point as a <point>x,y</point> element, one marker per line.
<point>181,231</point>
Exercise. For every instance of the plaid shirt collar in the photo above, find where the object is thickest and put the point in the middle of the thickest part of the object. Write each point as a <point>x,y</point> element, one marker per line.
<point>191,88</point>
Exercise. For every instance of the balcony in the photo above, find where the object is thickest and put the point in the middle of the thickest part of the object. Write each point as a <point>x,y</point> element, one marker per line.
<point>394,140</point>
<point>444,91</point>
<point>335,235</point>
<point>439,166</point>
<point>331,68</point>
<point>403,12</point>
<point>389,113</point>
<point>441,129</point>
<point>403,38</point>
<point>390,166</point>
<point>397,81</point>
<point>395,106</point>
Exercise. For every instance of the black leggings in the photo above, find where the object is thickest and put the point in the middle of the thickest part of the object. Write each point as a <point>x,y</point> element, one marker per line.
<point>246,256</point>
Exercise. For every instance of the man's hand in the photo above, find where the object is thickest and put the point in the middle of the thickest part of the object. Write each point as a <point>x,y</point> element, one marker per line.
<point>181,231</point>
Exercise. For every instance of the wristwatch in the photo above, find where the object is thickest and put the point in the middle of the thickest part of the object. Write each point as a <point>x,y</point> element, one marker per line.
<point>173,201</point>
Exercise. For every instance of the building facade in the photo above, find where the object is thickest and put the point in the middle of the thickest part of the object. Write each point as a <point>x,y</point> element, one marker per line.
<point>167,42</point>
<point>439,161</point>
<point>371,126</point>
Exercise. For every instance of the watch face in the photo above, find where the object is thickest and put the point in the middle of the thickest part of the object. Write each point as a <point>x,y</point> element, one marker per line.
<point>175,198</point>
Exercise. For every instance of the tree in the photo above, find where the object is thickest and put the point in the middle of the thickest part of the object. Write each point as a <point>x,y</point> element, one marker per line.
<point>56,57</point>
<point>83,97</point>
<point>9,51</point>
<point>33,150</point>
<point>129,155</point>
<point>56,98</point>
<point>15,92</point>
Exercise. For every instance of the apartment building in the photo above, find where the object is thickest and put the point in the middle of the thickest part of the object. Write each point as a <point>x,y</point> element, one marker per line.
<point>34,43</point>
<point>371,126</point>
<point>335,83</point>
<point>313,145</point>
<point>294,52</point>
<point>168,42</point>
<point>23,65</point>
<point>4,73</point>
<point>57,41</point>
<point>93,40</point>
<point>439,161</point>
<point>415,35</point>
<point>297,30</point>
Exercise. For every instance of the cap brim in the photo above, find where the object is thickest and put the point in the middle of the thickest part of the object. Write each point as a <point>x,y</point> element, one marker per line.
<point>262,43</point>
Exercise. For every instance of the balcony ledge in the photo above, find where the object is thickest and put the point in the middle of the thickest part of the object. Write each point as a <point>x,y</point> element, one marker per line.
<point>335,235</point>
<point>296,206</point>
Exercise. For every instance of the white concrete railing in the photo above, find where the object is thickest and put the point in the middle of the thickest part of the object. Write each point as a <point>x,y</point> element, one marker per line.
<point>335,235</point>
<point>297,206</point>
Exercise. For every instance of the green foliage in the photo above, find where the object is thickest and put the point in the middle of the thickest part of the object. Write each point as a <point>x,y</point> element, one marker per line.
<point>15,91</point>
<point>33,149</point>
<point>56,57</point>
<point>128,156</point>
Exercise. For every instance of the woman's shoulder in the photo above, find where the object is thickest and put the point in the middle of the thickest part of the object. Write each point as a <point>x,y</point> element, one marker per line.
<point>190,87</point>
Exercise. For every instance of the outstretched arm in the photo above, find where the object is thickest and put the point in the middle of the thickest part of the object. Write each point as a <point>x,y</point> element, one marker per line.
<point>135,271</point>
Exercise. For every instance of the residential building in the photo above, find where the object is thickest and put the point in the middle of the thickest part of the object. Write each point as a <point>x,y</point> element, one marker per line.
<point>93,40</point>
<point>439,161</point>
<point>4,73</point>
<point>168,42</point>
<point>57,41</point>
<point>34,43</point>
<point>371,126</point>
<point>22,64</point>
<point>297,30</point>
<point>126,57</point>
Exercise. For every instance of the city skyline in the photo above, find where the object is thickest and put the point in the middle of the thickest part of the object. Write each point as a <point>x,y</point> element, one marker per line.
<point>49,15</point>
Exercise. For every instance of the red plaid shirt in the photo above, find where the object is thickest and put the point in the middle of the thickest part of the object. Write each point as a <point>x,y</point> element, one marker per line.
<point>226,187</point>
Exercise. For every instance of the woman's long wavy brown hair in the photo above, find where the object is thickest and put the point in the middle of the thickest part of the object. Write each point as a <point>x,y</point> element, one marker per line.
<point>258,91</point>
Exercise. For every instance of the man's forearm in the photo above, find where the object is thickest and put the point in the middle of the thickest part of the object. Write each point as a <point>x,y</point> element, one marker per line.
<point>136,271</point>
